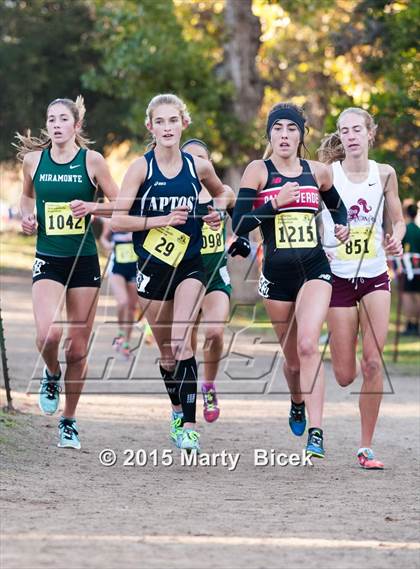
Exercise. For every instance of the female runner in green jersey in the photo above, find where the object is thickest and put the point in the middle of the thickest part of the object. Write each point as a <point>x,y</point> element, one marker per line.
<point>60,178</point>
<point>214,311</point>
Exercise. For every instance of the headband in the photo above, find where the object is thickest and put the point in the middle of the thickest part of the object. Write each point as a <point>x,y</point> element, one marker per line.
<point>196,141</point>
<point>285,113</point>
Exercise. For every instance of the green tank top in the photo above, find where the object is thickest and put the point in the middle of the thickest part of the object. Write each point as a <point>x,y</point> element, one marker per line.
<point>214,242</point>
<point>56,185</point>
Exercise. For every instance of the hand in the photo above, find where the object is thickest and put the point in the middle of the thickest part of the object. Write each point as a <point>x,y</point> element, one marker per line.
<point>29,224</point>
<point>79,208</point>
<point>329,255</point>
<point>342,232</point>
<point>287,194</point>
<point>240,247</point>
<point>108,246</point>
<point>178,216</point>
<point>393,246</point>
<point>213,218</point>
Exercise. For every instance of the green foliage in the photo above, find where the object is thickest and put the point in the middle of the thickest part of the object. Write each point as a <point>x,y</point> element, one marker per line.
<point>140,60</point>
<point>45,48</point>
<point>325,55</point>
<point>383,35</point>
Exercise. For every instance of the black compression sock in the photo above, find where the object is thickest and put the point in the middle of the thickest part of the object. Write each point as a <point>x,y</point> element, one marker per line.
<point>317,429</point>
<point>171,385</point>
<point>186,377</point>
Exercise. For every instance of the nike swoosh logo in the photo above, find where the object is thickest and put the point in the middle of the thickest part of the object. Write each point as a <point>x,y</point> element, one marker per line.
<point>96,278</point>
<point>374,184</point>
<point>76,166</point>
<point>381,284</point>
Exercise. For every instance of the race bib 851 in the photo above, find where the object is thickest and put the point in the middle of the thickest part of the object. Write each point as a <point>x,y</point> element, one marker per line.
<point>360,244</point>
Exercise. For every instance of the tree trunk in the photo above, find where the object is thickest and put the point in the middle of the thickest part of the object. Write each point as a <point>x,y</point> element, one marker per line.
<point>243,31</point>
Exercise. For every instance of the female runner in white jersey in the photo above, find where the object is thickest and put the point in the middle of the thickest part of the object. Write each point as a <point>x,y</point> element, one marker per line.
<point>361,286</point>
<point>158,203</point>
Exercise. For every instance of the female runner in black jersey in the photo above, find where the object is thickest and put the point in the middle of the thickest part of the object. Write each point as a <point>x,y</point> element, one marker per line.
<point>158,203</point>
<point>281,195</point>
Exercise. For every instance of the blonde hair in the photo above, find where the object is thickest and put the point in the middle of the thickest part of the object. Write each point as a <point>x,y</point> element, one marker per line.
<point>166,99</point>
<point>27,143</point>
<point>268,149</point>
<point>331,150</point>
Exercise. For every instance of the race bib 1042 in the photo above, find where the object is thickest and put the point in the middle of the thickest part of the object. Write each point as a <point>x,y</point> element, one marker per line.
<point>60,221</point>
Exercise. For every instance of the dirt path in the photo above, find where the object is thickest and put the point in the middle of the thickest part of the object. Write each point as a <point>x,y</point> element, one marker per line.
<point>63,508</point>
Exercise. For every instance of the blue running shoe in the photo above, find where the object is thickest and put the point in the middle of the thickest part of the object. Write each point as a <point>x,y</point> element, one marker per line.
<point>176,431</point>
<point>190,440</point>
<point>49,392</point>
<point>297,419</point>
<point>69,437</point>
<point>315,446</point>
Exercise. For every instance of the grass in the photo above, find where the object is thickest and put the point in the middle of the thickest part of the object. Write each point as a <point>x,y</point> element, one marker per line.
<point>6,422</point>
<point>255,318</point>
<point>17,252</point>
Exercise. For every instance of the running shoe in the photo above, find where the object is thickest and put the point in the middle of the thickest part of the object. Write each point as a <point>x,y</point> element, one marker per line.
<point>148,335</point>
<point>117,343</point>
<point>69,437</point>
<point>367,460</point>
<point>190,440</point>
<point>315,446</point>
<point>297,419</point>
<point>211,410</point>
<point>125,351</point>
<point>49,392</point>
<point>177,430</point>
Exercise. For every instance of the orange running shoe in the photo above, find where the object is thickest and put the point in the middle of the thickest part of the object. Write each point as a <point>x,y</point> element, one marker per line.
<point>367,460</point>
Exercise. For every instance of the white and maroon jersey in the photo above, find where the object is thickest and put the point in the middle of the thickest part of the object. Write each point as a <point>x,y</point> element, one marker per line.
<point>363,255</point>
<point>290,236</point>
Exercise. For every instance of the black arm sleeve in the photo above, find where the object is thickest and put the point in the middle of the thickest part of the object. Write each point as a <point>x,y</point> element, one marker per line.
<point>332,200</point>
<point>245,219</point>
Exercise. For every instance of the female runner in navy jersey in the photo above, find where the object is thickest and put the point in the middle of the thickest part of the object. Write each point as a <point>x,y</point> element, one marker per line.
<point>281,195</point>
<point>158,203</point>
<point>122,279</point>
<point>361,286</point>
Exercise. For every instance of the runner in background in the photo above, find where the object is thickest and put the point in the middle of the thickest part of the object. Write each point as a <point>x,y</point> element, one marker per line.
<point>214,311</point>
<point>281,195</point>
<point>361,296</point>
<point>60,178</point>
<point>122,280</point>
<point>411,287</point>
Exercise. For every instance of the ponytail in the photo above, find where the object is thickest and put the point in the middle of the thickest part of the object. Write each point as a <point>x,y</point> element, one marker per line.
<point>27,143</point>
<point>331,150</point>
